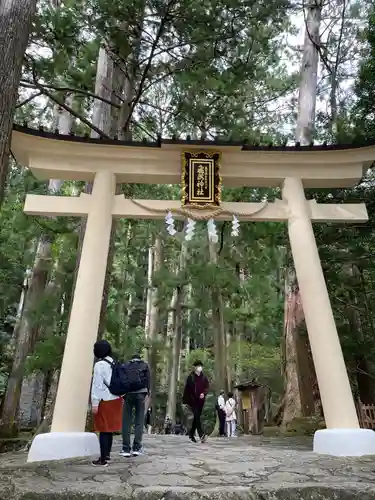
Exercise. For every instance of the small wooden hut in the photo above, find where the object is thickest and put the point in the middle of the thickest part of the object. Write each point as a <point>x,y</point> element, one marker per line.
<point>254,408</point>
<point>366,415</point>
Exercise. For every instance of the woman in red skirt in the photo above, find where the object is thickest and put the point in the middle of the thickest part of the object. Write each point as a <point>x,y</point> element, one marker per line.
<point>106,407</point>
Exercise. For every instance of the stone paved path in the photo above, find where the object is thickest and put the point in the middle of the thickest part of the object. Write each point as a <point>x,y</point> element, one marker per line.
<point>248,468</point>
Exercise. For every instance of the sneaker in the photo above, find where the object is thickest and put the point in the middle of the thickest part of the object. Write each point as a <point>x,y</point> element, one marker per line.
<point>203,438</point>
<point>192,439</point>
<point>137,453</point>
<point>125,454</point>
<point>100,463</point>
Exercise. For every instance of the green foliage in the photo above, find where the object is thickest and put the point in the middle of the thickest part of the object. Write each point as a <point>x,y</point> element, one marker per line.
<point>364,110</point>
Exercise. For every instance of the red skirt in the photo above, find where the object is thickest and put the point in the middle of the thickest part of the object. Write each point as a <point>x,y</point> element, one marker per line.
<point>109,416</point>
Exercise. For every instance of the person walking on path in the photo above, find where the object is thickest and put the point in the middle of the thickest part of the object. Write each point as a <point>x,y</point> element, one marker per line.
<point>220,409</point>
<point>106,408</point>
<point>195,392</point>
<point>137,379</point>
<point>231,418</point>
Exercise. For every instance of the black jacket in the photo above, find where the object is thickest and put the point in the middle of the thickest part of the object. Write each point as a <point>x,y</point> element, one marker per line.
<point>194,387</point>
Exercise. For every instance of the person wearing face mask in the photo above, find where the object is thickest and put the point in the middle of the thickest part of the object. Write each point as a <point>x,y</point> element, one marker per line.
<point>195,392</point>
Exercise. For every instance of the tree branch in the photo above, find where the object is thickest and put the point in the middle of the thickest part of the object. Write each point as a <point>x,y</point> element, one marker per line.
<point>27,84</point>
<point>62,104</point>
<point>146,70</point>
<point>343,12</point>
<point>141,127</point>
<point>26,101</point>
<point>74,113</point>
<point>316,45</point>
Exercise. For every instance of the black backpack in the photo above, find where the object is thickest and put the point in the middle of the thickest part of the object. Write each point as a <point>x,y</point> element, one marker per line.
<point>135,373</point>
<point>117,385</point>
<point>131,377</point>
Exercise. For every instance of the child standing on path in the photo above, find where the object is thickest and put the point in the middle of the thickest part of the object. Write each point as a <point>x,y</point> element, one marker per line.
<point>231,418</point>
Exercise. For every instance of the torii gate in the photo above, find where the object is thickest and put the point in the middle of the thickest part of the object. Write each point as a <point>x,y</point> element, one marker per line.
<point>109,162</point>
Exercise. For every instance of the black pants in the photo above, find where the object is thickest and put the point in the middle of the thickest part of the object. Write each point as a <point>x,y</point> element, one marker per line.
<point>133,402</point>
<point>196,424</point>
<point>105,441</point>
<point>221,415</point>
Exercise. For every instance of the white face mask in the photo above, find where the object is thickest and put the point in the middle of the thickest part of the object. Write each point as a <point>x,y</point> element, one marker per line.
<point>198,370</point>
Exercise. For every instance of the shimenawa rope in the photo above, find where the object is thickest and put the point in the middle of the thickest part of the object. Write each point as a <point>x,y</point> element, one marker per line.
<point>210,213</point>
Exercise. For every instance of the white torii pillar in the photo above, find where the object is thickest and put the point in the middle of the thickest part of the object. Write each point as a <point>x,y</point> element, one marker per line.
<point>67,437</point>
<point>343,437</point>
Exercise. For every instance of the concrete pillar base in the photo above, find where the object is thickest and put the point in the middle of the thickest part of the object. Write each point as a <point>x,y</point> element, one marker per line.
<point>345,442</point>
<point>63,445</point>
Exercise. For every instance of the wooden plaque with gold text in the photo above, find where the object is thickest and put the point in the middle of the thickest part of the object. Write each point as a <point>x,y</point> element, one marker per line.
<point>200,179</point>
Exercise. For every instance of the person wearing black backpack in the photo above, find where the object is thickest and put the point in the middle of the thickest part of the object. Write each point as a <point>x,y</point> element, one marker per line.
<point>136,375</point>
<point>106,407</point>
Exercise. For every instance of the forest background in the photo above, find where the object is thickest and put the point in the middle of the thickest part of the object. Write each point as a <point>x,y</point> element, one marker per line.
<point>213,69</point>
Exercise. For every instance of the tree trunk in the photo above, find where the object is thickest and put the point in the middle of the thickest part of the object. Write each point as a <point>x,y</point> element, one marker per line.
<point>15,23</point>
<point>117,84</point>
<point>154,320</point>
<point>180,350</point>
<point>128,76</point>
<point>102,119</point>
<point>63,121</point>
<point>187,339</point>
<point>51,396</point>
<point>309,393</point>
<point>26,336</point>
<point>34,386</point>
<point>175,361</point>
<point>26,333</point>
<point>168,348</point>
<point>299,371</point>
<point>101,113</point>
<point>220,343</point>
<point>364,380</point>
<point>175,358</point>
<point>13,342</point>
<point>238,330</point>
<point>150,266</point>
<point>221,375</point>
<point>32,398</point>
<point>293,309</point>
<point>108,276</point>
<point>227,329</point>
<point>49,405</point>
<point>333,70</point>
<point>293,318</point>
<point>363,371</point>
<point>309,75</point>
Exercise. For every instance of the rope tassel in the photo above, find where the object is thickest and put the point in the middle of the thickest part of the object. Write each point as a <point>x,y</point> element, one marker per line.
<point>235,226</point>
<point>212,233</point>
<point>190,229</point>
<point>169,220</point>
